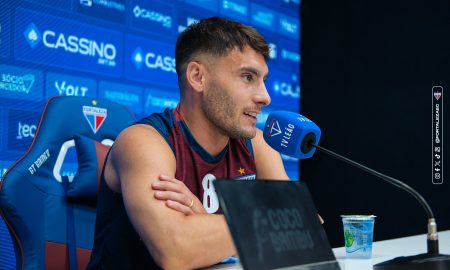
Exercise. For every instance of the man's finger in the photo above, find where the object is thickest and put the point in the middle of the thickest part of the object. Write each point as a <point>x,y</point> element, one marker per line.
<point>179,207</point>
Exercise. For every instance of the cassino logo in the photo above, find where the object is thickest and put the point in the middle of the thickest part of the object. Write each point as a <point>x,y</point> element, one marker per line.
<point>15,83</point>
<point>105,52</point>
<point>153,60</point>
<point>105,3</point>
<point>286,89</point>
<point>165,20</point>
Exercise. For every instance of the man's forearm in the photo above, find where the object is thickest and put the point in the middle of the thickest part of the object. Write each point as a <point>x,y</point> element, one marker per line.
<point>197,241</point>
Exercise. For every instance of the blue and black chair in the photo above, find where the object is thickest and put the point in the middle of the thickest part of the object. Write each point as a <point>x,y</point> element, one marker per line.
<point>50,215</point>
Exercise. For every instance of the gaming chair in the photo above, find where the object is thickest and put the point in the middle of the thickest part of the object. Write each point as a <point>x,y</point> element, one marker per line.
<point>51,217</point>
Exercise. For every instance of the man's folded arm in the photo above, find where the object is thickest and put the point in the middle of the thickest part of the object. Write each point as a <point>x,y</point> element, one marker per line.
<point>174,240</point>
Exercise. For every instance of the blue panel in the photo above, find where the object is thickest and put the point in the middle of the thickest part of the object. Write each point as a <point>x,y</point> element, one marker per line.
<point>186,18</point>
<point>111,10</point>
<point>7,257</point>
<point>5,29</point>
<point>4,165</point>
<point>65,85</point>
<point>21,129</point>
<point>153,16</point>
<point>289,26</point>
<point>45,39</point>
<point>284,89</point>
<point>128,95</point>
<point>289,53</point>
<point>263,17</point>
<point>61,4</point>
<point>157,101</point>
<point>237,9</point>
<point>150,61</point>
<point>206,4</point>
<point>21,83</point>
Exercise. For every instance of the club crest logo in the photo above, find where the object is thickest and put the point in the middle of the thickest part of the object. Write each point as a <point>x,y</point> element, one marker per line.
<point>95,117</point>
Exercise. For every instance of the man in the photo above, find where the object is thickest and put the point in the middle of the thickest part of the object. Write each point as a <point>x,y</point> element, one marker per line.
<point>156,200</point>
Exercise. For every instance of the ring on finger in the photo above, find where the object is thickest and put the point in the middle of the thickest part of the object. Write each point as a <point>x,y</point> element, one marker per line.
<point>192,203</point>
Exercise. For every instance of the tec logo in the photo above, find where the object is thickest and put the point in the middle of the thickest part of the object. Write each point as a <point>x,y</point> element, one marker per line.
<point>95,116</point>
<point>25,130</point>
<point>274,128</point>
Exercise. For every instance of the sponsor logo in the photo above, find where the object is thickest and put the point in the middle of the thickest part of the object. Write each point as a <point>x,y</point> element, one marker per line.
<point>263,17</point>
<point>150,61</point>
<point>25,130</point>
<point>32,35</point>
<point>127,95</point>
<point>39,162</point>
<point>189,21</point>
<point>237,9</point>
<point>17,83</point>
<point>288,26</point>
<point>153,60</point>
<point>104,52</point>
<point>105,3</point>
<point>155,101</point>
<point>290,55</point>
<point>22,126</point>
<point>64,85</point>
<point>95,117</point>
<point>272,51</point>
<point>274,128</point>
<point>69,89</point>
<point>59,42</point>
<point>154,16</point>
<point>287,88</point>
<point>246,177</point>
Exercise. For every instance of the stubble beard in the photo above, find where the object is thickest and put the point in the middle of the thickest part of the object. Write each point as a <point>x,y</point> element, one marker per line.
<point>220,109</point>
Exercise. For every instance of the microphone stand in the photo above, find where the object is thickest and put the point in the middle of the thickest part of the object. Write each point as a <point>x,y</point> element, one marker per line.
<point>430,260</point>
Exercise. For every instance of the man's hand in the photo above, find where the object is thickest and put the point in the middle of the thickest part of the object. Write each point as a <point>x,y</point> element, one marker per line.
<point>177,196</point>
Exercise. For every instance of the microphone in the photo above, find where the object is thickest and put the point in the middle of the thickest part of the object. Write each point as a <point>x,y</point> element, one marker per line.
<point>295,135</point>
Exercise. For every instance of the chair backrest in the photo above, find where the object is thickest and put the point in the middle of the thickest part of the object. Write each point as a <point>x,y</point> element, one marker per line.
<point>49,215</point>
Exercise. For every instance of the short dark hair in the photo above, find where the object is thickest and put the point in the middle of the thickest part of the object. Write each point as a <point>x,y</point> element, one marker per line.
<point>217,36</point>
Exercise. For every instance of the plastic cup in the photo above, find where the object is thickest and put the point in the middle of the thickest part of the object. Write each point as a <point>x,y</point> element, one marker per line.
<point>358,235</point>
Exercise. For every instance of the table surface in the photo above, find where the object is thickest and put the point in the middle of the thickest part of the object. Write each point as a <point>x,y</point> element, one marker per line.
<point>381,251</point>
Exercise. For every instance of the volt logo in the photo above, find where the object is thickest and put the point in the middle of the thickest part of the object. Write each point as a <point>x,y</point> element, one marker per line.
<point>154,16</point>
<point>66,89</point>
<point>274,128</point>
<point>153,60</point>
<point>104,52</point>
<point>95,117</point>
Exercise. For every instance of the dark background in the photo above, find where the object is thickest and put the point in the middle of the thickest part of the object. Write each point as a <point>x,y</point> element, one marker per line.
<point>367,71</point>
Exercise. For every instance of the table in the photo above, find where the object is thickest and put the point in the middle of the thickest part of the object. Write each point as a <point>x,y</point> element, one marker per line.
<point>381,251</point>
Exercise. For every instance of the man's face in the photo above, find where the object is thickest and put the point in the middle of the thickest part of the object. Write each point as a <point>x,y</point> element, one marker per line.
<point>235,92</point>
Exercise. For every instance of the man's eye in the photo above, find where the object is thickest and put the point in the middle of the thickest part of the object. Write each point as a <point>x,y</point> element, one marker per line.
<point>248,77</point>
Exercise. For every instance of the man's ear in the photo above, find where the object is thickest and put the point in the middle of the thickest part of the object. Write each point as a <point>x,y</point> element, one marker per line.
<point>195,75</point>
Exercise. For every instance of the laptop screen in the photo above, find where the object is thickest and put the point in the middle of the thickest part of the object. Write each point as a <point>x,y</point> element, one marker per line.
<point>274,224</point>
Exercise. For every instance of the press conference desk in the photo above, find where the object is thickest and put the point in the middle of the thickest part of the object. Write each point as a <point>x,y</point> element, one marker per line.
<point>381,251</point>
